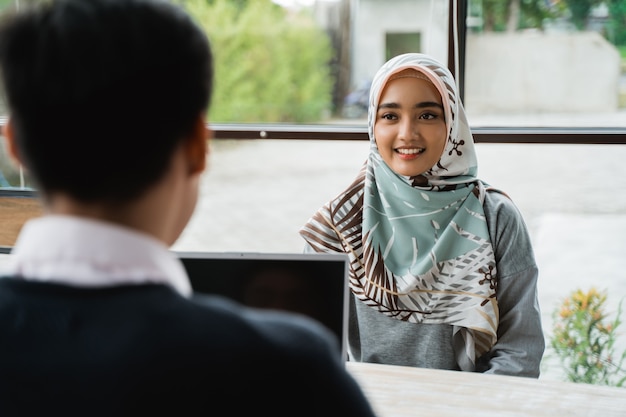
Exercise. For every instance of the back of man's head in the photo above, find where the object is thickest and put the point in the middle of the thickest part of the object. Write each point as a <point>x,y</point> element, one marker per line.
<point>100,92</point>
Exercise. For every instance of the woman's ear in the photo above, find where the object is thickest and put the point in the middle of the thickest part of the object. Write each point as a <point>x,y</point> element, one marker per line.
<point>198,146</point>
<point>9,140</point>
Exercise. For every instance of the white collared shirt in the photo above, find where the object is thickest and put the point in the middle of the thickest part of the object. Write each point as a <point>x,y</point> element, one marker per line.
<point>88,253</point>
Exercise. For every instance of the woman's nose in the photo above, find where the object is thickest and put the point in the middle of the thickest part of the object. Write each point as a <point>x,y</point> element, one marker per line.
<point>408,129</point>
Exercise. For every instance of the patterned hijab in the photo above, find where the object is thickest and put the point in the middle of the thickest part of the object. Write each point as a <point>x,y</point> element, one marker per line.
<point>419,246</point>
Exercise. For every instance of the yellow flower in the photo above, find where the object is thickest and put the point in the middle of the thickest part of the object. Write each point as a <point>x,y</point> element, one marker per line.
<point>565,312</point>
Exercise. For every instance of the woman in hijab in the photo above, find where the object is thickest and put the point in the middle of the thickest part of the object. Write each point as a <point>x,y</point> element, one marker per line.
<point>442,271</point>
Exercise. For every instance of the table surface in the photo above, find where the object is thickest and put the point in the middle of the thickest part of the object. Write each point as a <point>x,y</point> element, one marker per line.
<point>397,391</point>
<point>14,211</point>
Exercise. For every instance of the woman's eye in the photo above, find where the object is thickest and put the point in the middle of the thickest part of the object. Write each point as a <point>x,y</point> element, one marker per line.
<point>429,116</point>
<point>387,116</point>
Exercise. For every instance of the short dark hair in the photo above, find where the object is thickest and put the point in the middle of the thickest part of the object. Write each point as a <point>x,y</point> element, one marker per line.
<point>100,92</point>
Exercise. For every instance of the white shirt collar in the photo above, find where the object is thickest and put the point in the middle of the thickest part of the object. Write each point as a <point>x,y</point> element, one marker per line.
<point>88,253</point>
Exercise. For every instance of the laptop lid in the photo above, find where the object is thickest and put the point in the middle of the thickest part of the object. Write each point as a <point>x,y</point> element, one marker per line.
<point>313,284</point>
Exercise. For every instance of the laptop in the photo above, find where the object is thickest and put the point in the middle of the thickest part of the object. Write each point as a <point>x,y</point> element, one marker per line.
<point>313,284</point>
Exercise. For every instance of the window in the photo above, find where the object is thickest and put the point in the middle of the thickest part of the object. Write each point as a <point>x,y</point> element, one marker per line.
<point>400,43</point>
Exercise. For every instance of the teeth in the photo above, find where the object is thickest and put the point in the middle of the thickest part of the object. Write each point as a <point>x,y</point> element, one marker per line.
<point>411,151</point>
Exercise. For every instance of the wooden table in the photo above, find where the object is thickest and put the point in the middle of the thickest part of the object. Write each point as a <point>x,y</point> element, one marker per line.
<point>14,212</point>
<point>397,391</point>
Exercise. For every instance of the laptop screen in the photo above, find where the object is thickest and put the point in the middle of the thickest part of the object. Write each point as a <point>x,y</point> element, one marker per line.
<point>312,284</point>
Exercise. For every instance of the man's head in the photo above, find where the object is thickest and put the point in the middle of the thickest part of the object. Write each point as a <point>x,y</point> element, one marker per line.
<point>102,92</point>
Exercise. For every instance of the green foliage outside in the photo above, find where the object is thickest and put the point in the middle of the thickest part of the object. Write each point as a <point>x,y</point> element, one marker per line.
<point>271,67</point>
<point>584,340</point>
<point>497,15</point>
<point>616,28</point>
<point>513,15</point>
<point>579,11</point>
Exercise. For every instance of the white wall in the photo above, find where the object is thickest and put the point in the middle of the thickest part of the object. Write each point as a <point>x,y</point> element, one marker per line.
<point>372,19</point>
<point>541,72</point>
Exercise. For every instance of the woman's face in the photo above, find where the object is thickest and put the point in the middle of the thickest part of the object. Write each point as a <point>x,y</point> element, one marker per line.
<point>410,127</point>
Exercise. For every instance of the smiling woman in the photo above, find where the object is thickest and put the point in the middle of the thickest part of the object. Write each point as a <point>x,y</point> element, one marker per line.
<point>432,280</point>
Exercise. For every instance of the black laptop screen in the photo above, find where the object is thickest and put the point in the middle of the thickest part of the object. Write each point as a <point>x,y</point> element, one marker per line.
<point>311,284</point>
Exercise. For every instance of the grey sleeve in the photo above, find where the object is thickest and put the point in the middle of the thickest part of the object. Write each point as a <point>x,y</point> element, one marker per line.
<point>521,342</point>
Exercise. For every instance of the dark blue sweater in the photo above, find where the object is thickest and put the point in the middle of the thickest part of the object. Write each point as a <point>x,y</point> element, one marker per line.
<point>138,350</point>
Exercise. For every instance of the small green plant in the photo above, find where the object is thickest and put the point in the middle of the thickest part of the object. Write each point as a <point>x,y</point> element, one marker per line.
<point>584,339</point>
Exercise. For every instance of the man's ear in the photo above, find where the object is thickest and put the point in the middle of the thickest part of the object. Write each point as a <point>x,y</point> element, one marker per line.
<point>9,140</point>
<point>198,146</point>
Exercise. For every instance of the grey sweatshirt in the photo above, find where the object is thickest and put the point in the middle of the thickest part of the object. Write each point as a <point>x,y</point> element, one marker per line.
<point>374,337</point>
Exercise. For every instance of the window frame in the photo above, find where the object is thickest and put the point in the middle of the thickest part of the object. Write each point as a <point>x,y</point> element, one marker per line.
<point>534,135</point>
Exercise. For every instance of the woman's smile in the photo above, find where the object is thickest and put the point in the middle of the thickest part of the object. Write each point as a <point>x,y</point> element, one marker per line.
<point>409,153</point>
